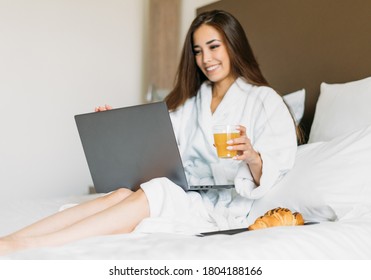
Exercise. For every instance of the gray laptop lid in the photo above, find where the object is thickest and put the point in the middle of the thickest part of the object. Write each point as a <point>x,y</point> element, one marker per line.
<point>128,146</point>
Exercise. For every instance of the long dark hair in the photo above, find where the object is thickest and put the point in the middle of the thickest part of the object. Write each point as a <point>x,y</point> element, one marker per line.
<point>243,63</point>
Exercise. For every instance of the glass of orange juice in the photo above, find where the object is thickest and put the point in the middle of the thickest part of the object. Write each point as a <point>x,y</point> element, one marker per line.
<point>223,133</point>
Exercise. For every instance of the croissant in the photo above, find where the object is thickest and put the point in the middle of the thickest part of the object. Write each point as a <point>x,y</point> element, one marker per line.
<point>277,217</point>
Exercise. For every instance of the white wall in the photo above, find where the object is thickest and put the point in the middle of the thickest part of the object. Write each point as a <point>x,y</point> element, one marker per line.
<point>59,58</point>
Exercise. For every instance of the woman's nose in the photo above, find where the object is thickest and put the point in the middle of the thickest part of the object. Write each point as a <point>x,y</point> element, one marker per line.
<point>206,57</point>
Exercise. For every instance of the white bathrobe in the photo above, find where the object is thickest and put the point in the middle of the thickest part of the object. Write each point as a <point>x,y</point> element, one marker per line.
<point>271,130</point>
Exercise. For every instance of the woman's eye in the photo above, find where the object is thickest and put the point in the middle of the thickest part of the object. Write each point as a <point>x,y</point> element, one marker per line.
<point>196,52</point>
<point>214,47</point>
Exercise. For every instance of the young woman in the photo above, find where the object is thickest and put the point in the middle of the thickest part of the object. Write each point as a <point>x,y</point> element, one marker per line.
<point>218,82</point>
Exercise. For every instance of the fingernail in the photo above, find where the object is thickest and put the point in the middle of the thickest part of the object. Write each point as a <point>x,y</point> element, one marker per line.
<point>229,147</point>
<point>230,142</point>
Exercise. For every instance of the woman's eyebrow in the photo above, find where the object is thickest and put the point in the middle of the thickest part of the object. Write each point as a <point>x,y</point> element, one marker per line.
<point>208,43</point>
<point>212,41</point>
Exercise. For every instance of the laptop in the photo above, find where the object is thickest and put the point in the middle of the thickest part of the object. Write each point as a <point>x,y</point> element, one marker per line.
<point>125,147</point>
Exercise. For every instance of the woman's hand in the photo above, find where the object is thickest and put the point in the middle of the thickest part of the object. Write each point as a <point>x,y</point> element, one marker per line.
<point>242,144</point>
<point>246,152</point>
<point>103,108</point>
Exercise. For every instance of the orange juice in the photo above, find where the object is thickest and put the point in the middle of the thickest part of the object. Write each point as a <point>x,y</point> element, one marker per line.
<point>220,140</point>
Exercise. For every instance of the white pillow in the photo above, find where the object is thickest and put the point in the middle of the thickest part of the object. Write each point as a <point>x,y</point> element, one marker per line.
<point>328,181</point>
<point>341,108</point>
<point>295,101</point>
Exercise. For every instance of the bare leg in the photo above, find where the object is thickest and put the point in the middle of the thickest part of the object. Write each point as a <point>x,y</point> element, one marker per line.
<point>72,215</point>
<point>122,217</point>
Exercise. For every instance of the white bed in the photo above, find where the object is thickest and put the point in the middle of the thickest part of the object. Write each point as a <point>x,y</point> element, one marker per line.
<point>330,184</point>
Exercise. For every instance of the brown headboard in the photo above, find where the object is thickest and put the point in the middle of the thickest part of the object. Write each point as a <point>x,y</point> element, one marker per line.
<point>300,44</point>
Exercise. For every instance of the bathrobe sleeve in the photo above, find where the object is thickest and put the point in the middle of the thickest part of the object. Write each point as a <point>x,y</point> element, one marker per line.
<point>273,135</point>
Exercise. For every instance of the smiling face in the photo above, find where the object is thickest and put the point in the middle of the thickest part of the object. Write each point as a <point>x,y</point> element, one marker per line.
<point>211,55</point>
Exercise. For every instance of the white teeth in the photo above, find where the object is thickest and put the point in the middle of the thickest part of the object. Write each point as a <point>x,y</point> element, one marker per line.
<point>211,68</point>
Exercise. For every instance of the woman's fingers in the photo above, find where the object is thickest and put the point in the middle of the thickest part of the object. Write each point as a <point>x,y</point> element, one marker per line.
<point>242,145</point>
<point>242,130</point>
<point>103,108</point>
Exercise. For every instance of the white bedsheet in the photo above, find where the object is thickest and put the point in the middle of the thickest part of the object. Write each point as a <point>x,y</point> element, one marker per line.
<point>348,238</point>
